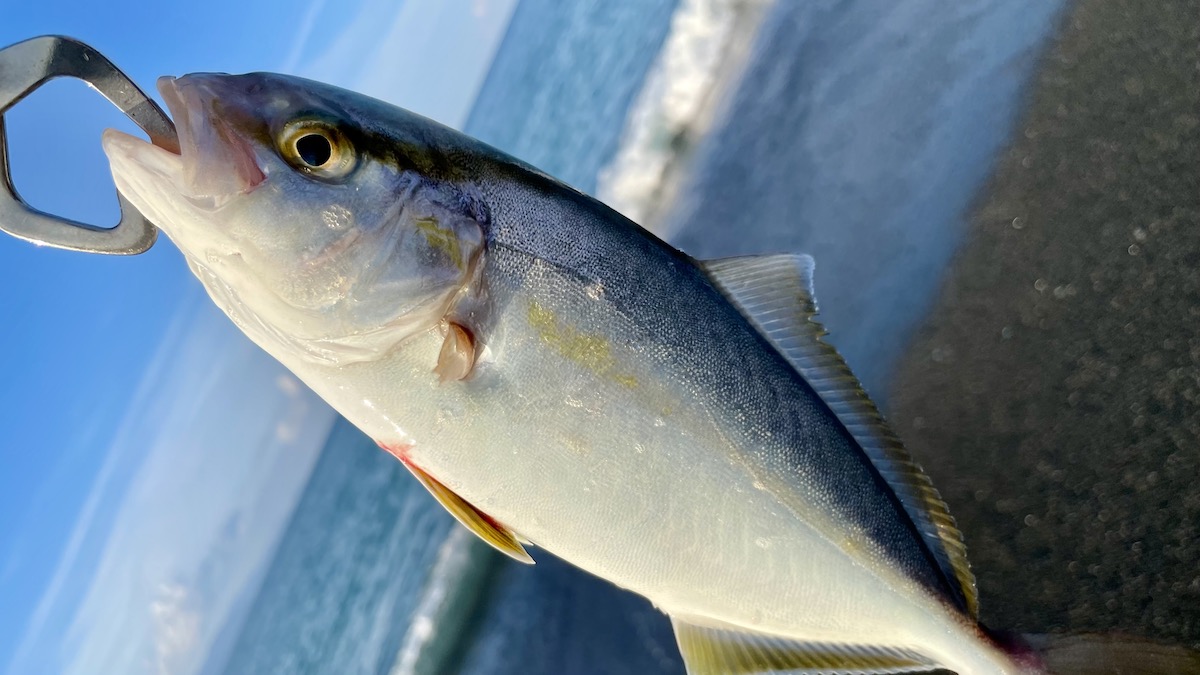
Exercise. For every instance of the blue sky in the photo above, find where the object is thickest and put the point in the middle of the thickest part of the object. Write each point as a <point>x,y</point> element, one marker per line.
<point>149,455</point>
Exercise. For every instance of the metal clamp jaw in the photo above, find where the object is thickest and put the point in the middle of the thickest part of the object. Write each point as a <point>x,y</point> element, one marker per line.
<point>28,65</point>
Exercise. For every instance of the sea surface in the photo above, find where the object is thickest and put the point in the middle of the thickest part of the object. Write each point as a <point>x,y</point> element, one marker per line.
<point>857,131</point>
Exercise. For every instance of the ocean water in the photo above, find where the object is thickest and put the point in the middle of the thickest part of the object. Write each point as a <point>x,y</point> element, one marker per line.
<point>858,131</point>
<point>560,88</point>
<point>348,572</point>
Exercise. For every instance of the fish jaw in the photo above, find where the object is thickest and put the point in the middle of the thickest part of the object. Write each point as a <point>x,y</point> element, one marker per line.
<point>146,174</point>
<point>221,161</point>
<point>180,192</point>
<point>215,160</point>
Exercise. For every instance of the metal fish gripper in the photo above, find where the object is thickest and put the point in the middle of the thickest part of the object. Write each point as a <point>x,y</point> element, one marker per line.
<point>24,67</point>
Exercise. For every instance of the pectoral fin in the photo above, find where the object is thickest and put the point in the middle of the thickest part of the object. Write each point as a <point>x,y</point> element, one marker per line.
<point>500,537</point>
<point>730,651</point>
<point>457,356</point>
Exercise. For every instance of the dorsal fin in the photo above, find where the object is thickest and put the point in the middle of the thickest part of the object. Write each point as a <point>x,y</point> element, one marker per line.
<point>730,651</point>
<point>775,293</point>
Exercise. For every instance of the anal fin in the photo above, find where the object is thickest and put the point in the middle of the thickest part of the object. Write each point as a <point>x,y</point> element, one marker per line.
<point>730,651</point>
<point>499,537</point>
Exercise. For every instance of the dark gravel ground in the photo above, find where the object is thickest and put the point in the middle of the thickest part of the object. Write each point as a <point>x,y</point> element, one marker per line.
<point>1053,392</point>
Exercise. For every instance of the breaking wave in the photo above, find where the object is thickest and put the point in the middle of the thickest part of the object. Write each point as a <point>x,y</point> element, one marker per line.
<point>455,583</point>
<point>704,50</point>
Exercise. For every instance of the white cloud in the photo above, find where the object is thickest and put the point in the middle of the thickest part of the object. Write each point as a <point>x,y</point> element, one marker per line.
<point>124,452</point>
<point>304,31</point>
<point>430,57</point>
<point>176,623</point>
<point>197,525</point>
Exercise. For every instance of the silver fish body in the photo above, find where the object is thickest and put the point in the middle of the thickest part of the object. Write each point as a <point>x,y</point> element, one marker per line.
<point>647,433</point>
<point>620,411</point>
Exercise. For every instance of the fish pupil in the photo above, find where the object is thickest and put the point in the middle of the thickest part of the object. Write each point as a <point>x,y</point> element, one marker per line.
<point>314,150</point>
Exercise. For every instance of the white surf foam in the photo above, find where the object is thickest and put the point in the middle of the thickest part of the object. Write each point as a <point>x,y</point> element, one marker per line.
<point>453,583</point>
<point>705,48</point>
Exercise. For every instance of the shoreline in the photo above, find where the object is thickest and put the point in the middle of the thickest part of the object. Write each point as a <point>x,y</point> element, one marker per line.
<point>678,106</point>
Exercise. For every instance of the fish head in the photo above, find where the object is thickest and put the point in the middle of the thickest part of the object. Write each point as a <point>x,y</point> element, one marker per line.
<point>316,229</point>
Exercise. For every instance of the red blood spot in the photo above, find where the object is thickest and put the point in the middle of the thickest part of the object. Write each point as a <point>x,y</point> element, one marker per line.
<point>399,451</point>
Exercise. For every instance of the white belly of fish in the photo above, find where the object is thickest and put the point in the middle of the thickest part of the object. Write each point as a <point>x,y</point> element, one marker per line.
<point>625,479</point>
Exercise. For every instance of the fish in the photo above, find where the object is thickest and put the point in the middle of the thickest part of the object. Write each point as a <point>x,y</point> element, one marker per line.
<point>557,377</point>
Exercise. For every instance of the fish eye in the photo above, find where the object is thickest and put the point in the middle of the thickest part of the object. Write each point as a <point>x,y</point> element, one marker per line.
<point>317,149</point>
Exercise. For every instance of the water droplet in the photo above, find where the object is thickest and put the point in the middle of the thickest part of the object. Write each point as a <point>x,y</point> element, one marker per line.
<point>658,422</point>
<point>1139,234</point>
<point>1134,249</point>
<point>1040,285</point>
<point>337,217</point>
<point>762,542</point>
<point>759,485</point>
<point>1018,223</point>
<point>1006,332</point>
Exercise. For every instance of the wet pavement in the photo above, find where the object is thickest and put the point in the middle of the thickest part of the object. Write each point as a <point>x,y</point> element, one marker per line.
<point>1053,392</point>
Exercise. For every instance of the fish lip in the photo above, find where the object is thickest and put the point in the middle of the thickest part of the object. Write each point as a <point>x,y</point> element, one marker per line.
<point>175,107</point>
<point>218,161</point>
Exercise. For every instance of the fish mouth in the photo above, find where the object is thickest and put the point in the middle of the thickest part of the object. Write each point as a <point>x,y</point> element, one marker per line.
<point>218,161</point>
<point>214,161</point>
